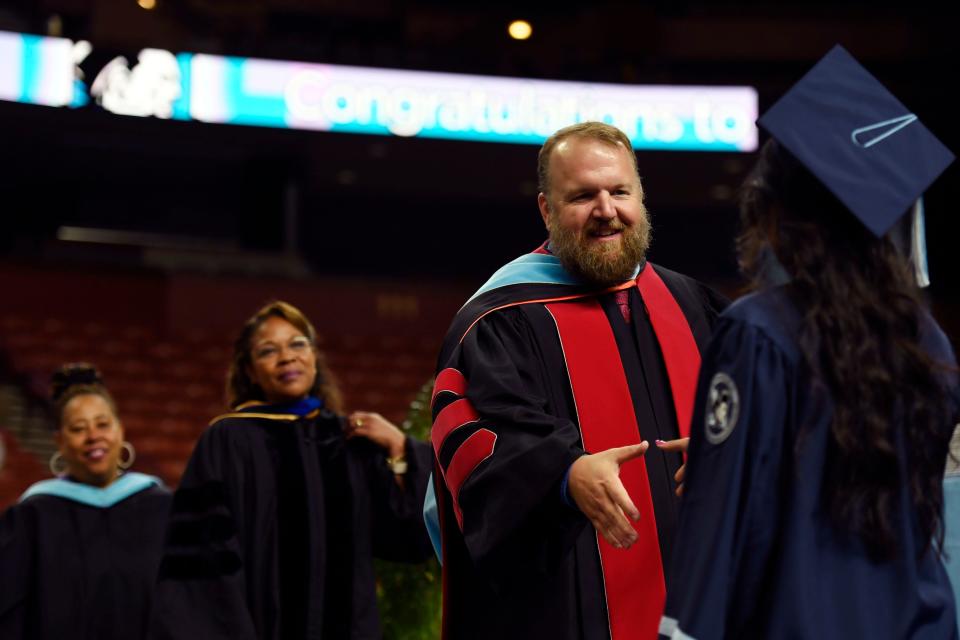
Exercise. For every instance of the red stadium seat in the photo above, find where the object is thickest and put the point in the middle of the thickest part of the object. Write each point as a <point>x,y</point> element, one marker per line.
<point>169,387</point>
<point>20,470</point>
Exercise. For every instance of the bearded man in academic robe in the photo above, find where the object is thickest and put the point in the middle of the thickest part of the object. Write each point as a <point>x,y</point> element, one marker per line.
<point>561,410</point>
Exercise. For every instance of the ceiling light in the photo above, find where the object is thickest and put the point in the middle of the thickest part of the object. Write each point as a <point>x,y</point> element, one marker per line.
<point>520,30</point>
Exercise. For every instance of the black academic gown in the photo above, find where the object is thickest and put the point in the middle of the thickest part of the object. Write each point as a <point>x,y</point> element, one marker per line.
<point>274,528</point>
<point>757,555</point>
<point>524,563</point>
<point>80,571</point>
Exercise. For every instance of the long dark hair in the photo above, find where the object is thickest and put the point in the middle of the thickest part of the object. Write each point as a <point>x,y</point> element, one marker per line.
<point>861,339</point>
<point>240,387</point>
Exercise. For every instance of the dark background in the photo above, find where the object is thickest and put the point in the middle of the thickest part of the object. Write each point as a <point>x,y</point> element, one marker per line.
<point>426,210</point>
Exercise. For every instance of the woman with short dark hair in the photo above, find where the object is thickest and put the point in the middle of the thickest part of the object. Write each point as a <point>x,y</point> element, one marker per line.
<point>285,501</point>
<point>79,553</point>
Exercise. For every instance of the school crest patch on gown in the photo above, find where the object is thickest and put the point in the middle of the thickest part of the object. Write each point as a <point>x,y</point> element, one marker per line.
<point>723,408</point>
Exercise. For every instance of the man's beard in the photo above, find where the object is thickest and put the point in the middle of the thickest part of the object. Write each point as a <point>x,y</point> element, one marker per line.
<point>601,263</point>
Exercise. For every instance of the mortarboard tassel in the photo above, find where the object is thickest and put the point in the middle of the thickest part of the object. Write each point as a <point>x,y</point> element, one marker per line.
<point>918,245</point>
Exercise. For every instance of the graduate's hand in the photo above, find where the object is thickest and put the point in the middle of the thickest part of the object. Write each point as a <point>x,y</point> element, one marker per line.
<point>595,486</point>
<point>378,430</point>
<point>681,446</point>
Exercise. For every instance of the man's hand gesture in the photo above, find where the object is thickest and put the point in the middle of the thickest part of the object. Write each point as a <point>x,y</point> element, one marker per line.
<point>595,486</point>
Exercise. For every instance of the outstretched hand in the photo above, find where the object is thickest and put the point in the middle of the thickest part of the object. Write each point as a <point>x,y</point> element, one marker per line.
<point>378,430</point>
<point>595,486</point>
<point>681,446</point>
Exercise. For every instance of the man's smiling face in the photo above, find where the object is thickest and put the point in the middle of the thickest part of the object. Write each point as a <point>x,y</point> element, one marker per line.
<point>594,210</point>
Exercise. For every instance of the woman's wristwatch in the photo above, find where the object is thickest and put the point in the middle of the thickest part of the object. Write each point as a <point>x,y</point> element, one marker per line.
<point>398,465</point>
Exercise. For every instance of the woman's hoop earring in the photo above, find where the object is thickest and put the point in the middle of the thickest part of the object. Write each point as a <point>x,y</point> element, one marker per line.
<point>56,461</point>
<point>132,455</point>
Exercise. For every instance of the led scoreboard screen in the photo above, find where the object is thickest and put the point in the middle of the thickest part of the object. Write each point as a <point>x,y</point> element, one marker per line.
<point>324,97</point>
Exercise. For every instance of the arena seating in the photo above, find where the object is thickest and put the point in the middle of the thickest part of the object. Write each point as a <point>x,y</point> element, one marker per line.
<point>168,387</point>
<point>20,470</point>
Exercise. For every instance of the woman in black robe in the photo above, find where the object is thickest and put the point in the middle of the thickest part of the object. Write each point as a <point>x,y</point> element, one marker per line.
<point>281,509</point>
<point>79,553</point>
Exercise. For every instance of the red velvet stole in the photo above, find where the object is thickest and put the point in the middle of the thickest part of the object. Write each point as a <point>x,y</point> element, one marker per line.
<point>679,349</point>
<point>633,578</point>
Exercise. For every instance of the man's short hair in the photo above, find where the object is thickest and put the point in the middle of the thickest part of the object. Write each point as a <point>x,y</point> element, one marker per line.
<point>593,130</point>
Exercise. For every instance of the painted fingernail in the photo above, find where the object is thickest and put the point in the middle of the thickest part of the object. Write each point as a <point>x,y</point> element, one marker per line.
<point>659,442</point>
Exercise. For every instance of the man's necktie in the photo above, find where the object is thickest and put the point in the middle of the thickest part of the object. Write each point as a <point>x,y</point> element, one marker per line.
<point>623,301</point>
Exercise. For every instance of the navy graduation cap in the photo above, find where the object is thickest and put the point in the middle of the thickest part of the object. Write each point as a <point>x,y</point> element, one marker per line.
<point>868,149</point>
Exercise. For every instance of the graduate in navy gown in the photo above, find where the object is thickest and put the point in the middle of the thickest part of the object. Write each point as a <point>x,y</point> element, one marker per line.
<point>826,401</point>
<point>79,553</point>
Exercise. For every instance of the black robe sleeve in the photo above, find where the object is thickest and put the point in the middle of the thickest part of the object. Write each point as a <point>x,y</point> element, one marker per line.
<point>201,569</point>
<point>16,554</point>
<point>398,532</point>
<point>513,515</point>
